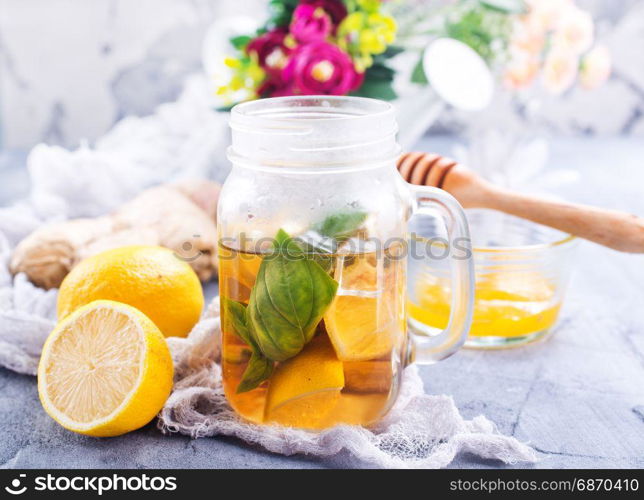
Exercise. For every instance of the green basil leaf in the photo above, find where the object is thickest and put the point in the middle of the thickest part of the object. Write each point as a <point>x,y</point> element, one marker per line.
<point>281,239</point>
<point>290,290</point>
<point>235,313</point>
<point>289,298</point>
<point>325,290</point>
<point>277,337</point>
<point>258,369</point>
<point>341,225</point>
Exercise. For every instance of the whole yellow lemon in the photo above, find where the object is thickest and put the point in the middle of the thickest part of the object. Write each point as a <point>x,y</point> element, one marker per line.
<point>152,279</point>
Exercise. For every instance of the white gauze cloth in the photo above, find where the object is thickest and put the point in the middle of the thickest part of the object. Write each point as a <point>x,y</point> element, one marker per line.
<point>181,139</point>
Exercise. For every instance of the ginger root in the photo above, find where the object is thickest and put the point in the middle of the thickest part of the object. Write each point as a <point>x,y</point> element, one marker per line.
<point>180,217</point>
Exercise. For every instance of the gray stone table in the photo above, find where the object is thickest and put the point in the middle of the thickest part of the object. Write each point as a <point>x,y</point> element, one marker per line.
<point>577,398</point>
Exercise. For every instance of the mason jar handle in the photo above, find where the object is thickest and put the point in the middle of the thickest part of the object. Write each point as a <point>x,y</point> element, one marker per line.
<point>430,349</point>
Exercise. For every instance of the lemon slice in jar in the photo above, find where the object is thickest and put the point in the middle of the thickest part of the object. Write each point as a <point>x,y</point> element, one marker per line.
<point>361,328</point>
<point>304,389</point>
<point>105,370</point>
<point>361,321</point>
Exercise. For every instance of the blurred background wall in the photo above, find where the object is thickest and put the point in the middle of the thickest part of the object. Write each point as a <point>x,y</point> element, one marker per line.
<point>70,68</point>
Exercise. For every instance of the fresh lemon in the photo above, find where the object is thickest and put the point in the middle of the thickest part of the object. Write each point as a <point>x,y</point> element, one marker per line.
<point>304,389</point>
<point>152,279</point>
<point>361,328</point>
<point>105,370</point>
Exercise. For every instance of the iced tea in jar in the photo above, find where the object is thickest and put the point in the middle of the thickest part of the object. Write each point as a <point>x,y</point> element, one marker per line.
<point>313,255</point>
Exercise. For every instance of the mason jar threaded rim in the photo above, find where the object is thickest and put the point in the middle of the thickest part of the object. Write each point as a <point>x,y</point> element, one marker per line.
<point>314,131</point>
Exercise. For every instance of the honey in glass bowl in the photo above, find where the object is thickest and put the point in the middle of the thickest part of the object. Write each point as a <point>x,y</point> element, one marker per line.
<point>521,273</point>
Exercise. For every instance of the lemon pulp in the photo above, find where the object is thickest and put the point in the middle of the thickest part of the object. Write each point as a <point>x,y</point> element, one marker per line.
<point>105,370</point>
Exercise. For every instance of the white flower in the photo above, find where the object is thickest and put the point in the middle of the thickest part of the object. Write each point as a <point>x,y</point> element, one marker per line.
<point>560,70</point>
<point>574,31</point>
<point>595,68</point>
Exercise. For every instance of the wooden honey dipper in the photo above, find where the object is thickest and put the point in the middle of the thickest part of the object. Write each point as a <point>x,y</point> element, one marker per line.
<point>611,228</point>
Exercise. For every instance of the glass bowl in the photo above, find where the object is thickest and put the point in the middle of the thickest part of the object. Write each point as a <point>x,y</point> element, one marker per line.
<point>522,271</point>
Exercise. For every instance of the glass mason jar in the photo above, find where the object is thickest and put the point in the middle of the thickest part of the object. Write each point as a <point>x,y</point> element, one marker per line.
<point>312,228</point>
<point>522,271</point>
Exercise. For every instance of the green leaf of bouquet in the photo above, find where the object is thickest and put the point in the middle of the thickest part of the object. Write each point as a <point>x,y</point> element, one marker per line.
<point>392,51</point>
<point>380,72</point>
<point>418,74</point>
<point>506,6</point>
<point>240,42</point>
<point>258,369</point>
<point>281,12</point>
<point>376,89</point>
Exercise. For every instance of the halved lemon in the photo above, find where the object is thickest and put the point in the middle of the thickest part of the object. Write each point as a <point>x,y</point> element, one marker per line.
<point>105,370</point>
<point>304,389</point>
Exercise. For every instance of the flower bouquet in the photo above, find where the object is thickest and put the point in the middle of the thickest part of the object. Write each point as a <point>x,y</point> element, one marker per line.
<point>359,47</point>
<point>314,47</point>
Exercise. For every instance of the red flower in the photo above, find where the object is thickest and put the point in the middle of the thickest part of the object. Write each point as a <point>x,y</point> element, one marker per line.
<point>270,50</point>
<point>321,68</point>
<point>274,86</point>
<point>335,8</point>
<point>310,23</point>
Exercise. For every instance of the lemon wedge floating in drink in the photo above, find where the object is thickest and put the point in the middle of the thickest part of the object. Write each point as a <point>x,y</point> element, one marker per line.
<point>361,328</point>
<point>304,389</point>
<point>361,321</point>
<point>105,370</point>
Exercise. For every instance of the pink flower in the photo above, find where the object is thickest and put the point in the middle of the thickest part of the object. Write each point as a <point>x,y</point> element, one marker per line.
<point>595,68</point>
<point>521,71</point>
<point>321,68</point>
<point>270,50</point>
<point>560,70</point>
<point>527,37</point>
<point>334,8</point>
<point>310,23</point>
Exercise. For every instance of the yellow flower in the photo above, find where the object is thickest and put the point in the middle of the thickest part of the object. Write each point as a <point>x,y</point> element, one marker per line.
<point>369,5</point>
<point>245,78</point>
<point>353,22</point>
<point>364,34</point>
<point>232,63</point>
